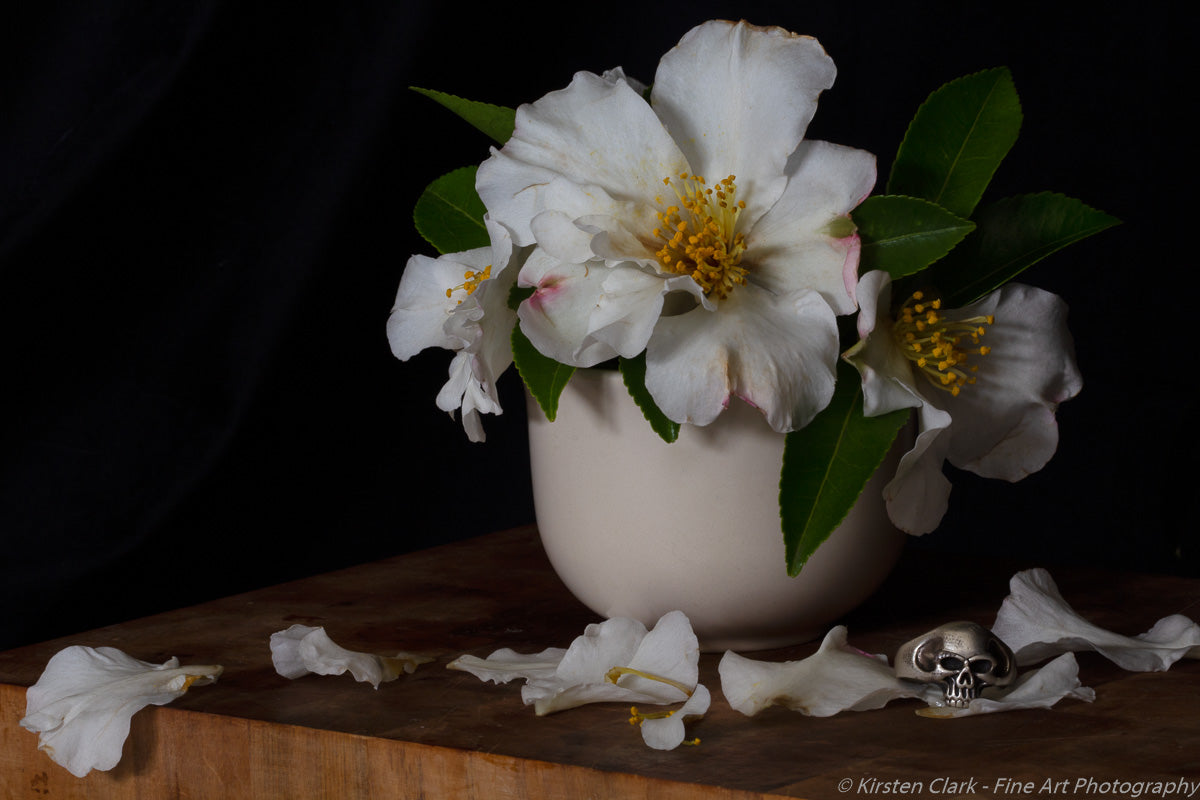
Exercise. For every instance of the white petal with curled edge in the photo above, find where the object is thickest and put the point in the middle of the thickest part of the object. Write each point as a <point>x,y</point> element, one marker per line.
<point>82,704</point>
<point>1037,623</point>
<point>302,649</point>
<point>504,665</point>
<point>1040,688</point>
<point>666,733</point>
<point>836,678</point>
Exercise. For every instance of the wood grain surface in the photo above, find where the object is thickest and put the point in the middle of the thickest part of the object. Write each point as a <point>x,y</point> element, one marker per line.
<point>440,733</point>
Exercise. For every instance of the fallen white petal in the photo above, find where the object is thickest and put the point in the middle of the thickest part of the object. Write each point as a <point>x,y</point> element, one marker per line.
<point>504,665</point>
<point>667,732</point>
<point>1039,688</point>
<point>835,678</point>
<point>302,649</point>
<point>1037,623</point>
<point>82,704</point>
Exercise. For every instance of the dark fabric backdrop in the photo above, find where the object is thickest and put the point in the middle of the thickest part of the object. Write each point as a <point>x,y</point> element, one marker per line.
<point>205,210</point>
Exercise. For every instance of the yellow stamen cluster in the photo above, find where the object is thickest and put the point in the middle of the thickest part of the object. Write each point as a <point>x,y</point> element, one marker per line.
<point>471,281</point>
<point>939,346</point>
<point>699,236</point>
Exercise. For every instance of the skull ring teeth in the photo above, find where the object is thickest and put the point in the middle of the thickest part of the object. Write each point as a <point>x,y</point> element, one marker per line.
<point>963,657</point>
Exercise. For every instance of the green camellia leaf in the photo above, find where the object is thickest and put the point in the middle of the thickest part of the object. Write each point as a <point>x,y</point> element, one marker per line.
<point>1011,235</point>
<point>449,213</point>
<point>957,139</point>
<point>827,463</point>
<point>902,235</point>
<point>496,121</point>
<point>544,377</point>
<point>633,370</point>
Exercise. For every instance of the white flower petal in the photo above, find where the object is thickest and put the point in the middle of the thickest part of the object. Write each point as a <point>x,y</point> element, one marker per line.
<point>596,132</point>
<point>1039,688</point>
<point>836,678</point>
<point>770,76</point>
<point>82,703</point>
<point>918,494</point>
<point>666,733</point>
<point>504,665</point>
<point>791,246</point>
<point>1037,623</point>
<point>1004,424</point>
<point>777,352</point>
<point>302,649</point>
<point>556,317</point>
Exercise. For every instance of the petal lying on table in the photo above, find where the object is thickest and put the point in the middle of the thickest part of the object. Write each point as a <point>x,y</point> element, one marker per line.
<point>302,649</point>
<point>839,678</point>
<point>835,678</point>
<point>618,660</point>
<point>82,704</point>
<point>1040,688</point>
<point>1037,623</point>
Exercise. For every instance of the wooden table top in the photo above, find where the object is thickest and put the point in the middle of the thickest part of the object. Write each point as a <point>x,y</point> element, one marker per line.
<point>443,733</point>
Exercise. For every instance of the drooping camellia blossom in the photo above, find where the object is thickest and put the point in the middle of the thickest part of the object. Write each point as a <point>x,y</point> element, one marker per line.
<point>699,226</point>
<point>1037,623</point>
<point>617,660</point>
<point>82,704</point>
<point>986,381</point>
<point>303,649</point>
<point>459,302</point>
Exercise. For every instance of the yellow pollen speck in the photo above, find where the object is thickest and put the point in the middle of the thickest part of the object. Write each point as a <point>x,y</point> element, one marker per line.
<point>706,244</point>
<point>921,324</point>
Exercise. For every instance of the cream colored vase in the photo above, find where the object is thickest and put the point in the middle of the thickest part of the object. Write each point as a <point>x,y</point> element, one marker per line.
<point>636,527</point>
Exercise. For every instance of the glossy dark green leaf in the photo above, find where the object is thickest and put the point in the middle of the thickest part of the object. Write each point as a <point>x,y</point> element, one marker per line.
<point>633,371</point>
<point>1010,236</point>
<point>495,121</point>
<point>902,235</point>
<point>544,377</point>
<point>827,463</point>
<point>957,139</point>
<point>449,213</point>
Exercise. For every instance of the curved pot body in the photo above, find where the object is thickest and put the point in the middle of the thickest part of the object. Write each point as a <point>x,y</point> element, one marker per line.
<point>636,527</point>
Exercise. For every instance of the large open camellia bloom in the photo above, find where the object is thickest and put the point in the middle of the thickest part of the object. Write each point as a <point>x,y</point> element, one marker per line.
<point>699,227</point>
<point>459,302</point>
<point>986,380</point>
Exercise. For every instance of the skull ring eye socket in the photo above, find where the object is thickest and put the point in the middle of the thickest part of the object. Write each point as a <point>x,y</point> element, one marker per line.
<point>963,657</point>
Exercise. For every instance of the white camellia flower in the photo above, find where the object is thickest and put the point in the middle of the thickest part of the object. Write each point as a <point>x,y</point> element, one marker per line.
<point>82,704</point>
<point>459,302</point>
<point>302,649</point>
<point>617,660</point>
<point>988,408</point>
<point>1037,623</point>
<point>698,227</point>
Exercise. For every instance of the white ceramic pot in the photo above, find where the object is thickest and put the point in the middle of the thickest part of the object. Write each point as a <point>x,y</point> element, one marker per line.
<point>636,527</point>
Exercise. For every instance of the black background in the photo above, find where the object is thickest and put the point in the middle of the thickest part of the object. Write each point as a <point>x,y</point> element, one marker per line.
<point>205,210</point>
